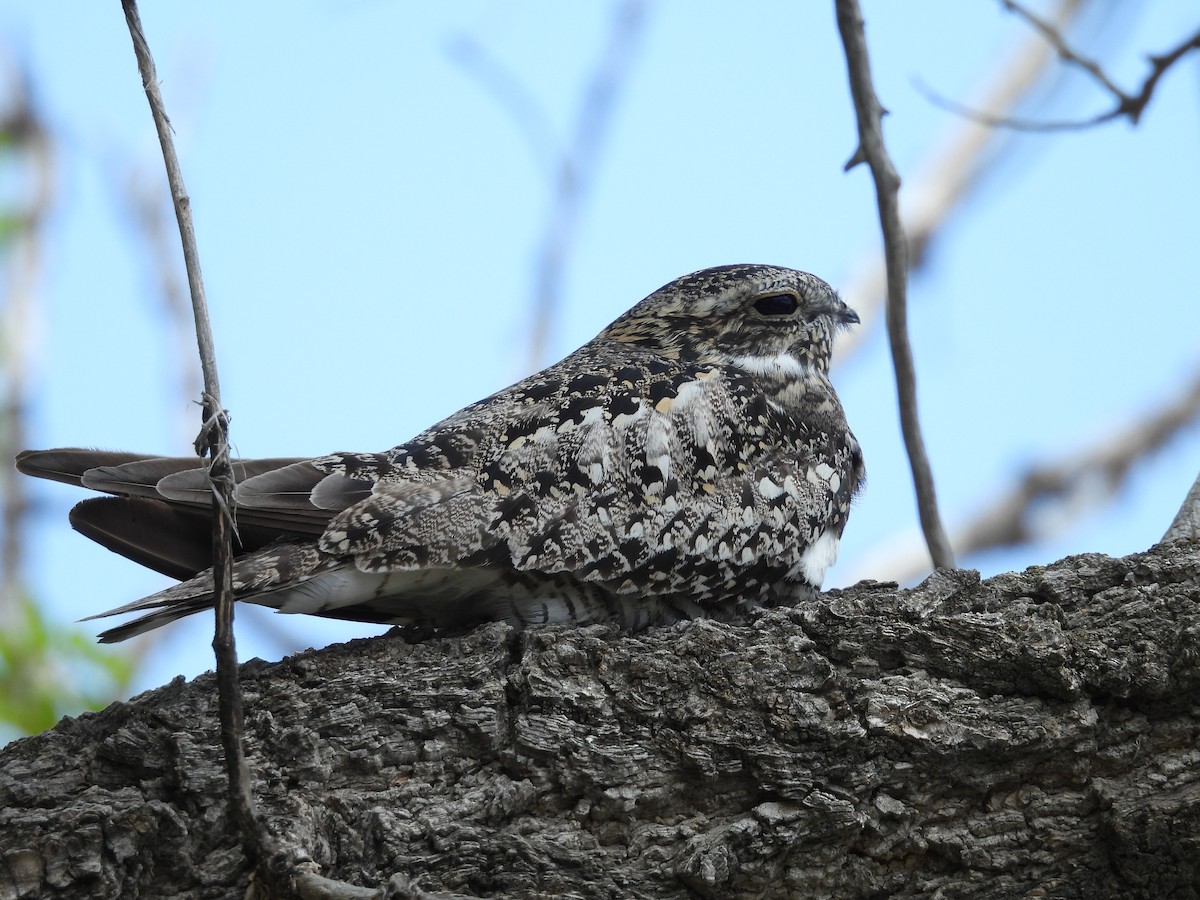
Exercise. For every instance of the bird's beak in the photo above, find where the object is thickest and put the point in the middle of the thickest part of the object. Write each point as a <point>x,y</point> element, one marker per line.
<point>831,305</point>
<point>842,315</point>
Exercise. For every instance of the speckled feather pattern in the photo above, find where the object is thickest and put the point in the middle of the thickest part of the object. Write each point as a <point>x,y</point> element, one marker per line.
<point>692,459</point>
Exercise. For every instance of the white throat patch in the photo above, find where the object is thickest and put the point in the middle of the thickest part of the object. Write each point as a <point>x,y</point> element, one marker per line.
<point>783,364</point>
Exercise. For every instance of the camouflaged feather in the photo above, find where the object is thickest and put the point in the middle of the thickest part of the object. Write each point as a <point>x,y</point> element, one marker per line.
<point>691,459</point>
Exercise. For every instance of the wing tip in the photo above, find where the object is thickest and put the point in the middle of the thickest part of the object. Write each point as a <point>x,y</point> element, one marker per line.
<point>65,464</point>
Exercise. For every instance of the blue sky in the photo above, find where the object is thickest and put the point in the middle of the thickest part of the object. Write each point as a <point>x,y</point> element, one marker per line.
<point>369,217</point>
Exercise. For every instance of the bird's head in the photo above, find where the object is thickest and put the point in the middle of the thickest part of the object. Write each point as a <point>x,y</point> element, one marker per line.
<point>750,316</point>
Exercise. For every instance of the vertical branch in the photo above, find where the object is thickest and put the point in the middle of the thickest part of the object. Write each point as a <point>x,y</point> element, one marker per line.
<point>953,173</point>
<point>873,152</point>
<point>572,167</point>
<point>30,140</point>
<point>214,440</point>
<point>148,214</point>
<point>576,169</point>
<point>282,867</point>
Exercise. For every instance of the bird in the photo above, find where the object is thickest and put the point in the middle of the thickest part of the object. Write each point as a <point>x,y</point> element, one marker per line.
<point>692,460</point>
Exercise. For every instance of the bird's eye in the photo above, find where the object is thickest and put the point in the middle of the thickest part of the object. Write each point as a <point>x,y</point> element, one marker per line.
<point>776,305</point>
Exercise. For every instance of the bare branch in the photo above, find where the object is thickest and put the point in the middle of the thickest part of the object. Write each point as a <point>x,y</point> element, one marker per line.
<point>1159,66</point>
<point>952,174</point>
<point>1051,494</point>
<point>1187,520</point>
<point>573,168</point>
<point>1013,518</point>
<point>1130,106</point>
<point>32,143</point>
<point>1054,37</point>
<point>214,439</point>
<point>873,152</point>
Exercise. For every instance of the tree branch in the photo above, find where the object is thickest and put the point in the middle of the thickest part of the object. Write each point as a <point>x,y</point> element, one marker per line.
<point>1187,521</point>
<point>574,166</point>
<point>950,176</point>
<point>1028,735</point>
<point>26,136</point>
<point>1012,519</point>
<point>873,152</point>
<point>1059,490</point>
<point>1053,36</point>
<point>1127,105</point>
<point>214,440</point>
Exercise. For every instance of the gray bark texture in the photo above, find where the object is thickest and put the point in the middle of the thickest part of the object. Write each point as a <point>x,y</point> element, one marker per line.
<point>1031,735</point>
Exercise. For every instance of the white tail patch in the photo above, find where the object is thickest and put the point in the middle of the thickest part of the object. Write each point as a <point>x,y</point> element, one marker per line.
<point>348,586</point>
<point>817,559</point>
<point>328,590</point>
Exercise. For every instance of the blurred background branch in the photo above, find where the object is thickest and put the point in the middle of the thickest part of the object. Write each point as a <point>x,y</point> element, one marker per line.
<point>955,168</point>
<point>570,166</point>
<point>139,189</point>
<point>1130,106</point>
<point>47,668</point>
<point>26,149</point>
<point>1049,497</point>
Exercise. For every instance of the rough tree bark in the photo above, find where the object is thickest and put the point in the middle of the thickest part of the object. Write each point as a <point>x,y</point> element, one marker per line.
<point>1029,735</point>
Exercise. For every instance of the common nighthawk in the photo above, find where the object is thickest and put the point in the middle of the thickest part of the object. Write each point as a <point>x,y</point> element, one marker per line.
<point>690,460</point>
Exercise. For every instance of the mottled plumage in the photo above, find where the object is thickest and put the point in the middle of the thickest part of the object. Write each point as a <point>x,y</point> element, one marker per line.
<point>692,459</point>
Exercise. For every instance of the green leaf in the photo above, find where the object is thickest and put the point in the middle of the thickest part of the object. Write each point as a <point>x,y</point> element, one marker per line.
<point>48,670</point>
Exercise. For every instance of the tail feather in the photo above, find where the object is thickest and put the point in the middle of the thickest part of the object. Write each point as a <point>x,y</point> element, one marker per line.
<point>149,622</point>
<point>191,485</point>
<point>197,592</point>
<point>138,478</point>
<point>175,542</point>
<point>68,464</point>
<point>160,512</point>
<point>284,487</point>
<point>280,566</point>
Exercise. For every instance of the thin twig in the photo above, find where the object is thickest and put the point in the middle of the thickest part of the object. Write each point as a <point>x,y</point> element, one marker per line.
<point>951,175</point>
<point>282,868</point>
<point>574,167</point>
<point>1051,494</point>
<point>1054,37</point>
<point>872,151</point>
<point>511,94</point>
<point>1130,106</point>
<point>140,196</point>
<point>27,136</point>
<point>213,439</point>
